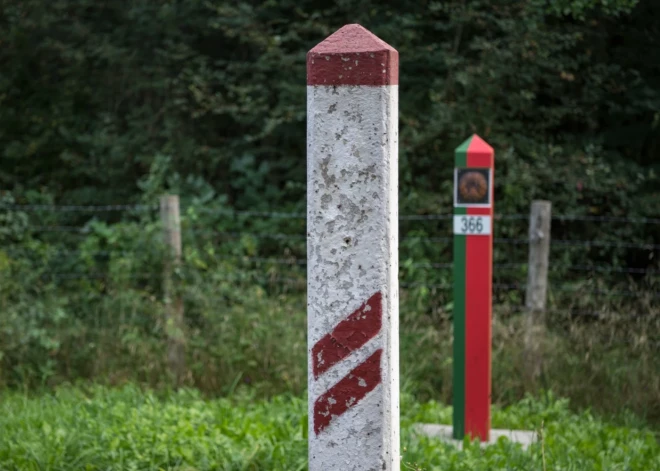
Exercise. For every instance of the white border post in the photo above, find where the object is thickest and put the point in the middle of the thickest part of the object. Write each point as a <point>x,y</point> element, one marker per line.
<point>352,253</point>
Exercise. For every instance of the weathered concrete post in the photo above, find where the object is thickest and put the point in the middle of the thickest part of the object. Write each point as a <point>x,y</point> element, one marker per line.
<point>352,253</point>
<point>473,288</point>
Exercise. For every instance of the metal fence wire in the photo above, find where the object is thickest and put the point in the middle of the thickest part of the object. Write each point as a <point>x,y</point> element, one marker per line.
<point>256,261</point>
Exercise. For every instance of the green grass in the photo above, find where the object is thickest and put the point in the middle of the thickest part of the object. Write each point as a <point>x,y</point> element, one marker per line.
<point>98,428</point>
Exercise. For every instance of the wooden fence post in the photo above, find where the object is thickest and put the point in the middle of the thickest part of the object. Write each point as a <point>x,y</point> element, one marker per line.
<point>352,253</point>
<point>174,322</point>
<point>537,285</point>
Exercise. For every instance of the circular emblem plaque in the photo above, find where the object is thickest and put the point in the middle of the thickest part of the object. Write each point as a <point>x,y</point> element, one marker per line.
<point>472,186</point>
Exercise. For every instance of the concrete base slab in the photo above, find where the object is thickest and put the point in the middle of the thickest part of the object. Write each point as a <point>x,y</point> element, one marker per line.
<point>444,433</point>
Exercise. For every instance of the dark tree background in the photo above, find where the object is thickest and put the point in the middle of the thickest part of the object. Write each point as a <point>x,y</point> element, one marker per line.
<point>108,102</point>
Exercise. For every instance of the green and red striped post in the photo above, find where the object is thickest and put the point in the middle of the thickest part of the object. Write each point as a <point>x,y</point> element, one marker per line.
<point>473,274</point>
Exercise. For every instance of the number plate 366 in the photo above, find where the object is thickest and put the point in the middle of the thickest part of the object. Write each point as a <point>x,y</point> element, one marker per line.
<point>472,225</point>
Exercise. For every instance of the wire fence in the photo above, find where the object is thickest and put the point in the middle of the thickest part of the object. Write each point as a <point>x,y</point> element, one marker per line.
<point>497,240</point>
<point>295,215</point>
<point>497,287</point>
<point>293,261</point>
<point>409,241</point>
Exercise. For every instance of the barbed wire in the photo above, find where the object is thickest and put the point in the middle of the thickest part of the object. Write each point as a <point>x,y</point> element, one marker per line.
<point>608,269</point>
<point>96,275</point>
<point>450,216</point>
<point>425,217</point>
<point>426,239</point>
<point>579,243</point>
<point>637,220</point>
<point>499,287</point>
<point>421,284</point>
<point>571,311</point>
<point>297,215</point>
<point>263,214</point>
<point>269,260</point>
<point>256,235</point>
<point>614,293</point>
<point>245,276</point>
<point>555,242</point>
<point>301,261</point>
<point>496,240</point>
<point>448,286</point>
<point>436,265</point>
<point>78,229</point>
<point>582,290</point>
<point>449,265</point>
<point>80,208</point>
<point>255,277</point>
<point>602,243</point>
<point>266,279</point>
<point>58,252</point>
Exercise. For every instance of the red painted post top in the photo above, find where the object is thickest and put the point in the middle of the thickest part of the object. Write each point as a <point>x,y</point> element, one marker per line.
<point>353,56</point>
<point>480,148</point>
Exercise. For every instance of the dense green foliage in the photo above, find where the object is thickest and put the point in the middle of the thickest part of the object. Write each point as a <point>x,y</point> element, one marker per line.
<point>101,429</point>
<point>106,103</point>
<point>96,95</point>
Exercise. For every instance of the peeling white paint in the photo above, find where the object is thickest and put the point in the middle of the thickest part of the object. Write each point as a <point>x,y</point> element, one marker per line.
<point>352,247</point>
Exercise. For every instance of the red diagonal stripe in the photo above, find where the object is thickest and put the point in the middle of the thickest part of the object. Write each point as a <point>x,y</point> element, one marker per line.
<point>350,334</point>
<point>347,392</point>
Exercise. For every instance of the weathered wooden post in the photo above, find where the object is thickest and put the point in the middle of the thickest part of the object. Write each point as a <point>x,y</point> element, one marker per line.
<point>537,285</point>
<point>473,274</point>
<point>174,321</point>
<point>352,252</point>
